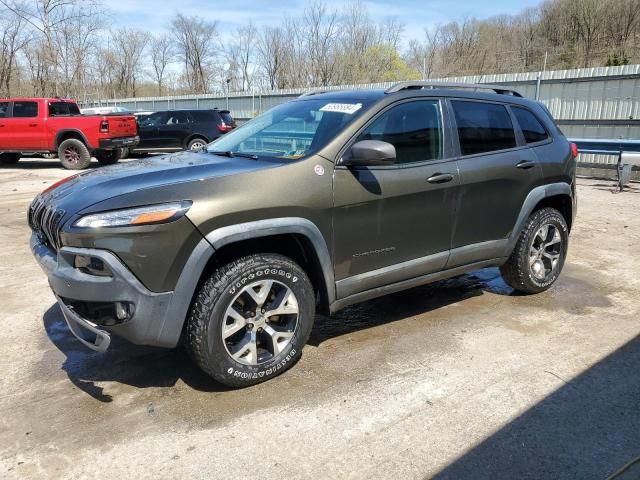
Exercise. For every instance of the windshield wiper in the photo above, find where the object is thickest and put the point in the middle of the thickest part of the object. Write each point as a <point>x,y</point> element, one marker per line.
<point>231,154</point>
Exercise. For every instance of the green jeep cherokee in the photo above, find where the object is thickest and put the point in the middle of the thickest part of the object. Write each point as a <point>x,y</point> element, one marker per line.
<point>327,200</point>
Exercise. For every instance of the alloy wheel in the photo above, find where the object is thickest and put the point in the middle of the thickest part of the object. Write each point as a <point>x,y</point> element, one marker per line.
<point>545,251</point>
<point>260,322</point>
<point>72,155</point>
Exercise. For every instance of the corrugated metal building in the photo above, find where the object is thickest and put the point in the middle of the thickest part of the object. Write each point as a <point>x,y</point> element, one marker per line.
<point>600,102</point>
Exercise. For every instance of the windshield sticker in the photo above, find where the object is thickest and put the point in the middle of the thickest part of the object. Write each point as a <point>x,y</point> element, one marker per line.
<point>348,108</point>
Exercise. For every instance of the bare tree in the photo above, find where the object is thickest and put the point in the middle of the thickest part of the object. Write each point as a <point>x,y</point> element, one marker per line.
<point>271,54</point>
<point>195,41</point>
<point>12,40</point>
<point>46,17</point>
<point>321,27</point>
<point>128,47</point>
<point>162,53</point>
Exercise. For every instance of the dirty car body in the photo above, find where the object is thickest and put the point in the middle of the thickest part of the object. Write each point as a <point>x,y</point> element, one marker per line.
<point>368,192</point>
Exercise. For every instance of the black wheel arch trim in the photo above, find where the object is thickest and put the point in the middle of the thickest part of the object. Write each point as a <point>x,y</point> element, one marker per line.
<point>62,133</point>
<point>277,226</point>
<point>170,328</point>
<point>534,197</point>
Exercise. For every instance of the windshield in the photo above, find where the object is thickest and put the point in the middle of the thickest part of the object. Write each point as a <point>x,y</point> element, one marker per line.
<point>292,130</point>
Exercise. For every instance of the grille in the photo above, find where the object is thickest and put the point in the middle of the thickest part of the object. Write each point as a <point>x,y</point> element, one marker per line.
<point>44,220</point>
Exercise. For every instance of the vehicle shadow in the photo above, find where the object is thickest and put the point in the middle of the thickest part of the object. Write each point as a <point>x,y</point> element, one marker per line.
<point>587,428</point>
<point>133,365</point>
<point>143,367</point>
<point>409,303</point>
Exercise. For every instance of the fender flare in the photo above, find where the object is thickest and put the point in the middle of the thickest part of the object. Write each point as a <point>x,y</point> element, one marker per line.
<point>170,328</point>
<point>533,198</point>
<point>74,131</point>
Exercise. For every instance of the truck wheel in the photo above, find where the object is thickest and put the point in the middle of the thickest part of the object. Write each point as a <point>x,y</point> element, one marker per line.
<point>9,158</point>
<point>539,254</point>
<point>108,157</point>
<point>251,319</point>
<point>74,154</point>
<point>196,144</point>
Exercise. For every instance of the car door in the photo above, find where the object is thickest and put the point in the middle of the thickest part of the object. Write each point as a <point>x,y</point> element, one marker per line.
<point>149,128</point>
<point>176,129</point>
<point>4,134</point>
<point>394,222</point>
<point>497,171</point>
<point>24,127</point>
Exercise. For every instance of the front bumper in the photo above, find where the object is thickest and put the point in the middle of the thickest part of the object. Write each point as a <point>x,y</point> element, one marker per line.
<point>69,284</point>
<point>111,143</point>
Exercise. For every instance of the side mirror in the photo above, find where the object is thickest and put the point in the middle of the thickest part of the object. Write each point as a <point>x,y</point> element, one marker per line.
<point>370,152</point>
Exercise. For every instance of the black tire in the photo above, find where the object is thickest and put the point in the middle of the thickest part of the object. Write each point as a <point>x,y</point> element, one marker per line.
<point>207,318</point>
<point>108,157</point>
<point>520,273</point>
<point>74,155</point>
<point>196,144</point>
<point>9,158</point>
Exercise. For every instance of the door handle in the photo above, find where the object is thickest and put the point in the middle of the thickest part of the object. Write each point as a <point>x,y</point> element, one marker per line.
<point>440,178</point>
<point>525,164</point>
<point>33,124</point>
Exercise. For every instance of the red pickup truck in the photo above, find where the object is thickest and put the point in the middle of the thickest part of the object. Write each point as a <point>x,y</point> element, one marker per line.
<point>55,125</point>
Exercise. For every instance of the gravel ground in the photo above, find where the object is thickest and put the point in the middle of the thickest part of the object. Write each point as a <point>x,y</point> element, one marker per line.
<point>459,379</point>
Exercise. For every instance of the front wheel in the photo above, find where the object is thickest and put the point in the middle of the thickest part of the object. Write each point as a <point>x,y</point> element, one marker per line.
<point>251,319</point>
<point>539,254</point>
<point>108,157</point>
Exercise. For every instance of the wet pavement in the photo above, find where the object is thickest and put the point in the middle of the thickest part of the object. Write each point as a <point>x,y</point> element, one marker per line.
<point>460,379</point>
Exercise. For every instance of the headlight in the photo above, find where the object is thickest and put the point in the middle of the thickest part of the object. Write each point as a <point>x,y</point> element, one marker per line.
<point>153,214</point>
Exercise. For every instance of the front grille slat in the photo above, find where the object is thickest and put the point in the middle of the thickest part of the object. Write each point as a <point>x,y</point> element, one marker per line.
<point>45,221</point>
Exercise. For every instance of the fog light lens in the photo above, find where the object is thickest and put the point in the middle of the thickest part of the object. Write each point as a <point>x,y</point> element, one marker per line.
<point>91,266</point>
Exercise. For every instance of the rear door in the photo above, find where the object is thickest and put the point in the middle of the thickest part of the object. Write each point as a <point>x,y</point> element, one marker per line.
<point>25,127</point>
<point>394,222</point>
<point>497,171</point>
<point>149,130</point>
<point>176,129</point>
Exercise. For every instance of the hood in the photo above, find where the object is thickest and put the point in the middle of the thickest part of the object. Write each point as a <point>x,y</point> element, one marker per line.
<point>89,188</point>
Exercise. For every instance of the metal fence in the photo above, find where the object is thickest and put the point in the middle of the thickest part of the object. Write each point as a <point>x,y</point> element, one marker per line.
<point>601,102</point>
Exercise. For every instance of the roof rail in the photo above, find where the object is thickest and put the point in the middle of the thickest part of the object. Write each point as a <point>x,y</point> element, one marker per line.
<point>420,84</point>
<point>313,92</point>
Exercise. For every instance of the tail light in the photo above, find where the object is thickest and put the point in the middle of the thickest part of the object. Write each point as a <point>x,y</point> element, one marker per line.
<point>224,128</point>
<point>104,126</point>
<point>574,150</point>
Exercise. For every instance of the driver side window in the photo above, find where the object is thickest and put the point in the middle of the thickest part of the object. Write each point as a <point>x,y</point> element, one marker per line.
<point>413,128</point>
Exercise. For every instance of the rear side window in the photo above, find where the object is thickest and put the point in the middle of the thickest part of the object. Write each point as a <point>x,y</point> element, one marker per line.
<point>226,117</point>
<point>531,127</point>
<point>25,109</point>
<point>413,128</point>
<point>203,116</point>
<point>4,109</point>
<point>178,118</point>
<point>483,127</point>
<point>63,108</point>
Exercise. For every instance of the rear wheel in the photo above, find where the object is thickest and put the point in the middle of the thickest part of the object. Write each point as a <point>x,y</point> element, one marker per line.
<point>251,319</point>
<point>9,158</point>
<point>74,154</point>
<point>108,157</point>
<point>197,144</point>
<point>539,254</point>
